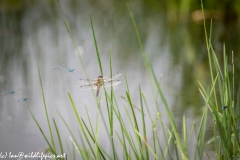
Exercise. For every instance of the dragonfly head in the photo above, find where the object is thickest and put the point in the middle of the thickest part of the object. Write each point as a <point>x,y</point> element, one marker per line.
<point>71,70</point>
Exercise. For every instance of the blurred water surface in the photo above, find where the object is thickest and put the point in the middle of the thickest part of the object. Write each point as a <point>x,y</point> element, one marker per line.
<point>35,30</point>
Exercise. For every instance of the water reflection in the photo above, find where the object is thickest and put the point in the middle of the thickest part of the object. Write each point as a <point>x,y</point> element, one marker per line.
<point>36,31</point>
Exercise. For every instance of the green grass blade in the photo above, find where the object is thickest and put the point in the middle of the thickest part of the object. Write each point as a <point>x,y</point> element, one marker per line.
<point>89,120</point>
<point>71,152</point>
<point>80,124</point>
<point>123,143</point>
<point>94,139</point>
<point>144,55</point>
<point>39,127</point>
<point>59,138</point>
<point>143,122</point>
<point>45,107</point>
<point>135,124</point>
<point>73,139</point>
<point>170,116</point>
<point>96,46</point>
<point>150,149</point>
<point>185,137</point>
<point>201,133</point>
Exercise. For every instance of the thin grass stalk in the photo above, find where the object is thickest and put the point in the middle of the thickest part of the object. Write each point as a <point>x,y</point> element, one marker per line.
<point>80,123</point>
<point>59,138</point>
<point>72,155</point>
<point>125,154</point>
<point>82,154</point>
<point>233,78</point>
<point>141,47</point>
<point>97,148</point>
<point>202,132</point>
<point>45,107</point>
<point>96,46</point>
<point>135,145</point>
<point>185,137</point>
<point>72,38</point>
<point>217,144</point>
<point>123,129</point>
<point>168,142</point>
<point>91,134</point>
<point>120,120</point>
<point>128,135</point>
<point>117,113</point>
<point>191,133</point>
<point>89,120</point>
<point>148,146</point>
<point>204,24</point>
<point>199,149</point>
<point>100,66</point>
<point>143,123</point>
<point>158,117</point>
<point>135,124</point>
<point>208,48</point>
<point>146,101</point>
<point>75,45</point>
<point>111,112</point>
<point>134,117</point>
<point>172,121</point>
<point>156,138</point>
<point>174,143</point>
<point>45,137</point>
<point>94,138</point>
<point>221,81</point>
<point>82,142</point>
<point>226,85</point>
<point>146,104</point>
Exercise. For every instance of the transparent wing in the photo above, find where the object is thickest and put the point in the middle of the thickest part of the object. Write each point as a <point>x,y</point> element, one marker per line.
<point>64,65</point>
<point>111,83</point>
<point>88,87</point>
<point>114,76</point>
<point>87,81</point>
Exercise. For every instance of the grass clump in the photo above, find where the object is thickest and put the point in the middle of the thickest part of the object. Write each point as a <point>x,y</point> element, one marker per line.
<point>136,139</point>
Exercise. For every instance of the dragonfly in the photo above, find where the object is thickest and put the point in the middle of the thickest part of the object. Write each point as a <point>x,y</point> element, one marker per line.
<point>99,82</point>
<point>11,92</point>
<point>8,92</point>
<point>223,108</point>
<point>65,68</point>
<point>21,100</point>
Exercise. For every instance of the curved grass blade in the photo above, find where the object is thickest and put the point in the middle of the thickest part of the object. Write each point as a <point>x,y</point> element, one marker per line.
<point>96,46</point>
<point>39,127</point>
<point>59,138</point>
<point>45,107</point>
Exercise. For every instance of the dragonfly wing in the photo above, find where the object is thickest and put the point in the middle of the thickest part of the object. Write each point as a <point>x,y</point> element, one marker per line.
<point>114,76</point>
<point>64,65</point>
<point>88,87</point>
<point>111,83</point>
<point>87,81</point>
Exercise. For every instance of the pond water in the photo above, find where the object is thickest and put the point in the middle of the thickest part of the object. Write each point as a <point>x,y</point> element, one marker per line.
<point>36,31</point>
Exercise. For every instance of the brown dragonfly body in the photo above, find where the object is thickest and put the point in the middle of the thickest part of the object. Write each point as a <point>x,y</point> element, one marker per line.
<point>99,82</point>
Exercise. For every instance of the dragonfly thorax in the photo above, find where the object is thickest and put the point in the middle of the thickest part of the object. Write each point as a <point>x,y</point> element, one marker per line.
<point>100,80</point>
